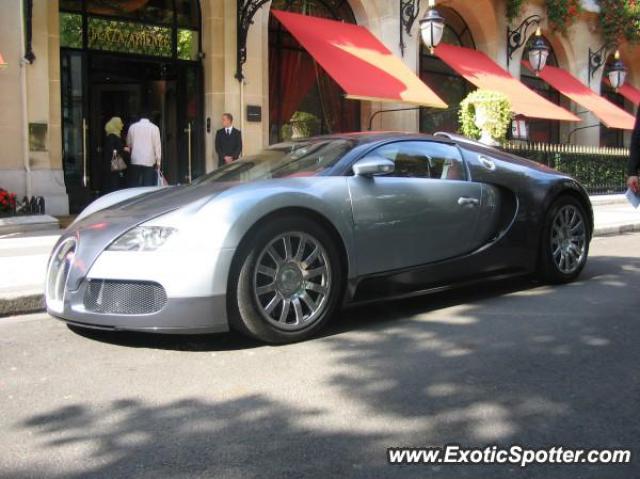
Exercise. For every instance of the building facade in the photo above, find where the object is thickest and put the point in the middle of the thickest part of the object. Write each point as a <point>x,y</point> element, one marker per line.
<point>177,61</point>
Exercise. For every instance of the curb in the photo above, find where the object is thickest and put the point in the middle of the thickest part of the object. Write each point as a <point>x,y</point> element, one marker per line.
<point>28,224</point>
<point>32,303</point>
<point>616,230</point>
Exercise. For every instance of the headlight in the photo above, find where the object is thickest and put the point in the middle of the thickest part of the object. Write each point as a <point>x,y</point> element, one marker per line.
<point>142,238</point>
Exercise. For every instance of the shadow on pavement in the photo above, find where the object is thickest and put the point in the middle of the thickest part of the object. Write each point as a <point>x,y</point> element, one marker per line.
<point>506,363</point>
<point>175,342</point>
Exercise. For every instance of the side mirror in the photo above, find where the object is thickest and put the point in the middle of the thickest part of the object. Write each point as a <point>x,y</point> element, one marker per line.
<point>373,166</point>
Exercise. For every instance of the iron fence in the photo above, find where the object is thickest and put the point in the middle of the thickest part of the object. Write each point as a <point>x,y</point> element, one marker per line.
<point>600,170</point>
<point>33,205</point>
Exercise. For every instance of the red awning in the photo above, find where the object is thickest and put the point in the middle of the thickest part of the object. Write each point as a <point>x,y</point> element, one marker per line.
<point>484,73</point>
<point>630,92</point>
<point>571,87</point>
<point>363,67</point>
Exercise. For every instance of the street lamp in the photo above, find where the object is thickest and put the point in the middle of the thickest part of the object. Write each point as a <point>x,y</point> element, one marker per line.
<point>538,53</point>
<point>617,72</point>
<point>432,27</point>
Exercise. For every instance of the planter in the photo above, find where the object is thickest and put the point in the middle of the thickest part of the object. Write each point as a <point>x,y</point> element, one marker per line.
<point>485,115</point>
<point>485,125</point>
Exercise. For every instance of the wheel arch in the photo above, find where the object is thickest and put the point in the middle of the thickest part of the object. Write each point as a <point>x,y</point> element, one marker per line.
<point>301,211</point>
<point>574,190</point>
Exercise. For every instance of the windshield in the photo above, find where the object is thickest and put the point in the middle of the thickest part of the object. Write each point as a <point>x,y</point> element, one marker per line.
<point>284,160</point>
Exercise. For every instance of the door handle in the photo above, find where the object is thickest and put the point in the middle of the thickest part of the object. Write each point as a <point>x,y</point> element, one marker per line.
<point>468,202</point>
<point>188,130</point>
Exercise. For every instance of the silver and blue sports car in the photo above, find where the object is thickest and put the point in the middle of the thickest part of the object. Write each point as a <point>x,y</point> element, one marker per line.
<point>273,244</point>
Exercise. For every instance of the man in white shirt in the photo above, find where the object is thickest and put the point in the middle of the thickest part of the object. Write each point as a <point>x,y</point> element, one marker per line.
<point>145,145</point>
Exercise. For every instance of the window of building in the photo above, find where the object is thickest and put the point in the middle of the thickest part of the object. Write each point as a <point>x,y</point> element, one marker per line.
<point>303,99</point>
<point>541,131</point>
<point>446,82</point>
<point>161,28</point>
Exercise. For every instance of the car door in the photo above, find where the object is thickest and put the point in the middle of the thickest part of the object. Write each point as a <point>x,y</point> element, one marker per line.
<point>425,211</point>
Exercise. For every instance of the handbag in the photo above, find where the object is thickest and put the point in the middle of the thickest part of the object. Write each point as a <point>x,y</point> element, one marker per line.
<point>162,181</point>
<point>117,162</point>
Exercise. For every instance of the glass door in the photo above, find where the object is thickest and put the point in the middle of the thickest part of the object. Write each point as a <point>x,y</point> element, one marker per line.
<point>108,100</point>
<point>75,130</point>
<point>190,129</point>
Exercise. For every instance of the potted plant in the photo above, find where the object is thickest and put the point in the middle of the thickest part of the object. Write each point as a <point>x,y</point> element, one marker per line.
<point>485,115</point>
<point>301,125</point>
<point>7,202</point>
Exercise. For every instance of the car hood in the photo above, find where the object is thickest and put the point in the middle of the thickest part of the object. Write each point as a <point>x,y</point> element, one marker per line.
<point>157,202</point>
<point>98,230</point>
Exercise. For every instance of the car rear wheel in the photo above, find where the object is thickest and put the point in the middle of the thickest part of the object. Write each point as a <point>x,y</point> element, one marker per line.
<point>565,241</point>
<point>288,281</point>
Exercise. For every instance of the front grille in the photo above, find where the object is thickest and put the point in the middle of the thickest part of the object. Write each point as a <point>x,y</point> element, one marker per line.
<point>124,297</point>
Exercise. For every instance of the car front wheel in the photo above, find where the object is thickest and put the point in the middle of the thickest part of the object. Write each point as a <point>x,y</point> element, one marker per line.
<point>288,281</point>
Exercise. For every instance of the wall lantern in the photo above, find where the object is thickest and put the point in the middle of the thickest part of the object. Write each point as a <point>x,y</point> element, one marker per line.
<point>617,72</point>
<point>517,37</point>
<point>431,25</point>
<point>3,64</point>
<point>538,53</point>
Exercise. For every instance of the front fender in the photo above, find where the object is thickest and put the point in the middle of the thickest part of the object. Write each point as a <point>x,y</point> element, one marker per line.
<point>573,187</point>
<point>224,221</point>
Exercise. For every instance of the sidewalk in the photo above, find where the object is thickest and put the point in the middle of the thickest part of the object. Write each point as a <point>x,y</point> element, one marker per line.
<point>23,257</point>
<point>23,261</point>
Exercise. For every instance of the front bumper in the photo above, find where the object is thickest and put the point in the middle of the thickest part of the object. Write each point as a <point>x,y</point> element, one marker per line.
<point>193,284</point>
<point>189,315</point>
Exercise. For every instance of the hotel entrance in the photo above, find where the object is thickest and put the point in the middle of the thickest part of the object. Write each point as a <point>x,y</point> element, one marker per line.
<point>125,59</point>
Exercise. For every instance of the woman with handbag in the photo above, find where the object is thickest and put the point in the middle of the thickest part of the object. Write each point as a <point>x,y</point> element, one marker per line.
<point>114,156</point>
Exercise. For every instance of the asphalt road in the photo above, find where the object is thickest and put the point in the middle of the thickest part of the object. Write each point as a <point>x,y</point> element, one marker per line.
<point>512,363</point>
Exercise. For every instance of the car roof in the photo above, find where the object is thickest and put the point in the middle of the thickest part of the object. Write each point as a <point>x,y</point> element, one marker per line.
<point>365,137</point>
<point>369,137</point>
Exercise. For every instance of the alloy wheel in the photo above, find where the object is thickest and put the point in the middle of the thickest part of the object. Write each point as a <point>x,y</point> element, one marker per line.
<point>292,281</point>
<point>568,239</point>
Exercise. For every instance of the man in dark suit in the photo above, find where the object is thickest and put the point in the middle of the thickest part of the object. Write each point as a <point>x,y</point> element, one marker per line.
<point>634,160</point>
<point>228,141</point>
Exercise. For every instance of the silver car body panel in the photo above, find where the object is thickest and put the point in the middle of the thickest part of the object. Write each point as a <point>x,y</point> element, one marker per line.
<point>402,222</point>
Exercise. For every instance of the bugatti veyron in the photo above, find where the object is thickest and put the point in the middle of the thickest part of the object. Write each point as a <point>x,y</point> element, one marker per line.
<point>272,245</point>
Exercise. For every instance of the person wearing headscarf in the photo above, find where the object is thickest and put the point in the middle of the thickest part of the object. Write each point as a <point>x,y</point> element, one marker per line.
<point>113,142</point>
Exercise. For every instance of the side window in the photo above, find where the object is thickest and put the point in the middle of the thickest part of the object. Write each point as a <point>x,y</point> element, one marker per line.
<point>424,159</point>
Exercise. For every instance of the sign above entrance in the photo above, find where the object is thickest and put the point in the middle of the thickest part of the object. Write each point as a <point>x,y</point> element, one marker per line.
<point>128,37</point>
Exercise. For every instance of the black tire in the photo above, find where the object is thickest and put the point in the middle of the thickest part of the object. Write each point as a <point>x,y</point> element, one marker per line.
<point>246,314</point>
<point>548,268</point>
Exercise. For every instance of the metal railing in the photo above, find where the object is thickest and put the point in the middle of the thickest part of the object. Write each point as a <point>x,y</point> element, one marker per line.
<point>600,170</point>
<point>29,206</point>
